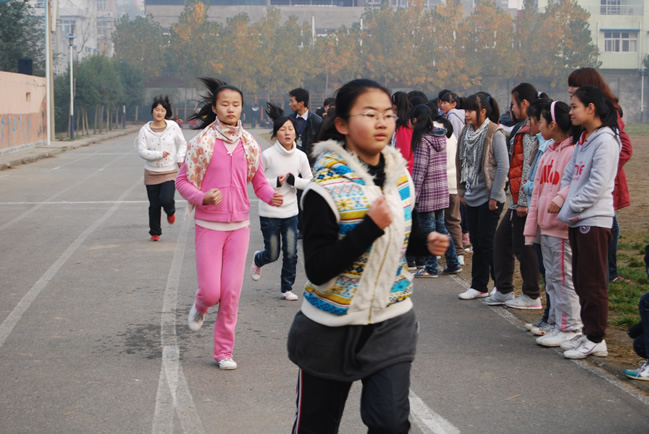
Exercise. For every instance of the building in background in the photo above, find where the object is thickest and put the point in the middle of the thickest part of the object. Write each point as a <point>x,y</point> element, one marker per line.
<point>620,29</point>
<point>91,21</point>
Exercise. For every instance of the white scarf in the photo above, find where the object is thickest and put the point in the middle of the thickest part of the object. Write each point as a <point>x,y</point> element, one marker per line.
<point>471,149</point>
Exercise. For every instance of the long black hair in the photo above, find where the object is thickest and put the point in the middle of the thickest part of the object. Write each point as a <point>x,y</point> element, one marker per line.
<point>346,97</point>
<point>422,117</point>
<point>482,100</point>
<point>164,102</point>
<point>277,115</point>
<point>205,115</point>
<point>604,107</point>
<point>401,101</point>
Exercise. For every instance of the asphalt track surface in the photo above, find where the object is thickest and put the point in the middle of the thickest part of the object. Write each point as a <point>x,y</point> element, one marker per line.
<point>93,335</point>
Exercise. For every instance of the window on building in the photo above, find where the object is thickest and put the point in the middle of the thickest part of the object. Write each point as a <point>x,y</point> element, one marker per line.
<point>611,7</point>
<point>101,5</point>
<point>621,41</point>
<point>67,26</point>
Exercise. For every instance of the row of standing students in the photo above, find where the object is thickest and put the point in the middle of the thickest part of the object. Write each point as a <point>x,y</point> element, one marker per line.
<point>562,200</point>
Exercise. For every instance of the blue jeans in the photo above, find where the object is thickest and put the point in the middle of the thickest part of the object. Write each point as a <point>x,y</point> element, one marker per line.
<point>434,221</point>
<point>273,229</point>
<point>641,343</point>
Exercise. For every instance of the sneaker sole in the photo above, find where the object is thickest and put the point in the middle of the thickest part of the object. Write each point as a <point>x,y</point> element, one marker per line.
<point>474,297</point>
<point>637,378</point>
<point>524,307</point>
<point>580,356</point>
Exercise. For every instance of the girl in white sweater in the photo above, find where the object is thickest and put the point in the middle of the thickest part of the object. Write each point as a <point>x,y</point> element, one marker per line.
<point>162,144</point>
<point>287,169</point>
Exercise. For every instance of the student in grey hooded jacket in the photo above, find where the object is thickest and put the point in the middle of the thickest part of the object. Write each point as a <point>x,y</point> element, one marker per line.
<point>588,211</point>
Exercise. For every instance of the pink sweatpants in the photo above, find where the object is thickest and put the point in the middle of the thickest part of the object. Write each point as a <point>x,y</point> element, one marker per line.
<point>220,267</point>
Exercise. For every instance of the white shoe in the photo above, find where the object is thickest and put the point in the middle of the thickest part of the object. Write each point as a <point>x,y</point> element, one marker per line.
<point>195,319</point>
<point>531,325</point>
<point>555,338</point>
<point>471,294</point>
<point>460,259</point>
<point>524,302</point>
<point>573,343</point>
<point>498,298</point>
<point>288,295</point>
<point>542,330</point>
<point>587,348</point>
<point>255,271</point>
<point>227,364</point>
<point>642,373</point>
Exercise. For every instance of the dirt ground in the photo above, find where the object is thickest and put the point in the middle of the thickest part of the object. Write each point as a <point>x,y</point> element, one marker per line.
<point>634,224</point>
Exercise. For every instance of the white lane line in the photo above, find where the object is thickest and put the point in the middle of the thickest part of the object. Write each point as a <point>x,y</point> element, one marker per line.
<point>82,202</point>
<point>173,391</point>
<point>73,161</point>
<point>427,420</point>
<point>36,207</point>
<point>16,314</point>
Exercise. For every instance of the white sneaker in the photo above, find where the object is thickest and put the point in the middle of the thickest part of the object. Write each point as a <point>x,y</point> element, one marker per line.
<point>227,364</point>
<point>542,330</point>
<point>255,271</point>
<point>642,373</point>
<point>555,338</point>
<point>573,343</point>
<point>195,319</point>
<point>587,348</point>
<point>460,259</point>
<point>524,302</point>
<point>471,294</point>
<point>498,298</point>
<point>530,325</point>
<point>288,295</point>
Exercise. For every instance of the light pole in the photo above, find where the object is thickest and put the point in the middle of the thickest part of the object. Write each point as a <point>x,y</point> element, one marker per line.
<point>70,38</point>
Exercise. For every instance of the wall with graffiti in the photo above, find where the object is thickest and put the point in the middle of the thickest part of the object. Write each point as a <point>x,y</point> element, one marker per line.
<point>23,117</point>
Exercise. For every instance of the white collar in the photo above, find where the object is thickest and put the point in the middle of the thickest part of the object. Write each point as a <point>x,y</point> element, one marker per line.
<point>304,116</point>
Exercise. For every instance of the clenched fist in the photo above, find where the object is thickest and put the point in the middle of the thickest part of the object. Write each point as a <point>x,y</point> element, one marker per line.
<point>438,243</point>
<point>380,213</point>
<point>212,197</point>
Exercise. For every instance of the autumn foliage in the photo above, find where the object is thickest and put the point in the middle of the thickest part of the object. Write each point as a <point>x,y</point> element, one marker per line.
<point>409,47</point>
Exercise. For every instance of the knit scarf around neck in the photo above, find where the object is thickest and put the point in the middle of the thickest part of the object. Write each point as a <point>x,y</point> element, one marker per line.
<point>472,147</point>
<point>201,148</point>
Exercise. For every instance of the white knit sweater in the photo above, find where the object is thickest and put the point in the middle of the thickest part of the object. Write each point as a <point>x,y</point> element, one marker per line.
<point>151,146</point>
<point>278,161</point>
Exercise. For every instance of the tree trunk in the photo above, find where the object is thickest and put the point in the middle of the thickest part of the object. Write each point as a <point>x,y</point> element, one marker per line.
<point>137,108</point>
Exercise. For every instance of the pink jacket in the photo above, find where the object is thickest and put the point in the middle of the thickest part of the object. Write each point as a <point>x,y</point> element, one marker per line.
<point>229,174</point>
<point>547,189</point>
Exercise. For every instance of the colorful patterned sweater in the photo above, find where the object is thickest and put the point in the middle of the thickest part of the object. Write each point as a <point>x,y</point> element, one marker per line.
<point>377,285</point>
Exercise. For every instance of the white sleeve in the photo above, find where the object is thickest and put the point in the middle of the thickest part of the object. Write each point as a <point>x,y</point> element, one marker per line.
<point>142,150</point>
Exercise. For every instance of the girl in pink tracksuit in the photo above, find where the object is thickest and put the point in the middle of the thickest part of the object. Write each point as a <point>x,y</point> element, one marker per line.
<point>220,162</point>
<point>542,222</point>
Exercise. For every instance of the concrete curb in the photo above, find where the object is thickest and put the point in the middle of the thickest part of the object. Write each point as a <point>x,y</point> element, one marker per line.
<point>29,155</point>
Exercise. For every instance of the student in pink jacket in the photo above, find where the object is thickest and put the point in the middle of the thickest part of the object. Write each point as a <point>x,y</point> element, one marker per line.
<point>220,163</point>
<point>542,222</point>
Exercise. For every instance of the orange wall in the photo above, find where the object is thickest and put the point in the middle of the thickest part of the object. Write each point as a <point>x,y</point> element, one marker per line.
<point>23,118</point>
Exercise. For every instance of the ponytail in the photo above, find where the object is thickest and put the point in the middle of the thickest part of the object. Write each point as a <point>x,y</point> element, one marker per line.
<point>205,114</point>
<point>277,115</point>
<point>482,100</point>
